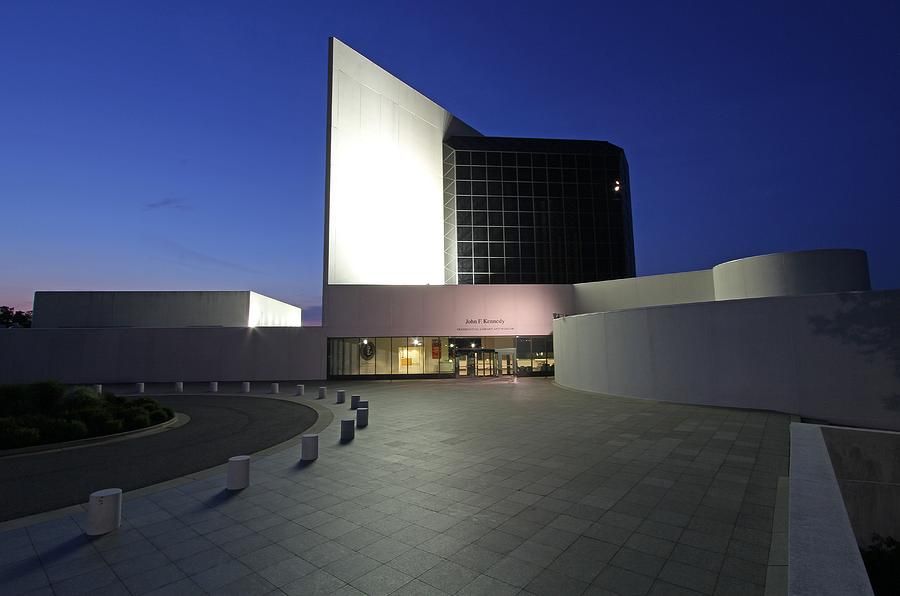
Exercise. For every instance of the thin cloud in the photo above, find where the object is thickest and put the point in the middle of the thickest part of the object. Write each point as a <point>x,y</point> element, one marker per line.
<point>189,257</point>
<point>168,203</point>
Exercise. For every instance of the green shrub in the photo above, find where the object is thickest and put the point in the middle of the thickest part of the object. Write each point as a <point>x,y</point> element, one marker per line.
<point>56,430</point>
<point>13,400</point>
<point>135,418</point>
<point>81,399</point>
<point>100,423</point>
<point>45,397</point>
<point>114,401</point>
<point>159,415</point>
<point>13,434</point>
<point>47,413</point>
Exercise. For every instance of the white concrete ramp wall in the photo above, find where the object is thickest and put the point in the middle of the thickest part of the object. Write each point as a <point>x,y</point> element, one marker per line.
<point>122,355</point>
<point>834,357</point>
<point>792,274</point>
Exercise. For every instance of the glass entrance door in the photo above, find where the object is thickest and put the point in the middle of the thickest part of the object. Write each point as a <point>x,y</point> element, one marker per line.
<point>476,363</point>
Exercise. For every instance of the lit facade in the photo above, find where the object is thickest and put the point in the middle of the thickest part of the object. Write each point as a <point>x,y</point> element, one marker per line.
<point>420,201</point>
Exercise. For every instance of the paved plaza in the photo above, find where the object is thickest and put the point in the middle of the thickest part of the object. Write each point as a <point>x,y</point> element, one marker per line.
<point>455,487</point>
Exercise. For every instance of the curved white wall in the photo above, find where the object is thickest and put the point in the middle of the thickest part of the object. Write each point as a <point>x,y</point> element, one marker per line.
<point>792,274</point>
<point>834,357</point>
<point>647,290</point>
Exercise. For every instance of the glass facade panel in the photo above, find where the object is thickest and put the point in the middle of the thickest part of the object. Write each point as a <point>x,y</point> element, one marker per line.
<point>399,358</point>
<point>567,201</point>
<point>439,356</point>
<point>382,355</point>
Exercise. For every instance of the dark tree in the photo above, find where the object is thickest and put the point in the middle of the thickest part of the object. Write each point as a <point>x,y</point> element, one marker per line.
<point>10,317</point>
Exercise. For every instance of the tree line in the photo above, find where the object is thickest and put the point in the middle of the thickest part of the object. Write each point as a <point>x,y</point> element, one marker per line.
<point>10,317</point>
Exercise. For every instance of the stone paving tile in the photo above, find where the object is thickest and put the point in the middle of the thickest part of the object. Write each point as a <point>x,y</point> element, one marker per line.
<point>453,491</point>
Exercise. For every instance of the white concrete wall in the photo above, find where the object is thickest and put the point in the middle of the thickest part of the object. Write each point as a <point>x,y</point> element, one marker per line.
<point>384,164</point>
<point>268,312</point>
<point>834,357</point>
<point>140,309</point>
<point>649,290</point>
<point>384,311</point>
<point>124,355</point>
<point>792,274</point>
<point>161,309</point>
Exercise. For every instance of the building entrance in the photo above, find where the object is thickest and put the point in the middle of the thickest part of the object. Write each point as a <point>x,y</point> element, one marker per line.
<point>476,362</point>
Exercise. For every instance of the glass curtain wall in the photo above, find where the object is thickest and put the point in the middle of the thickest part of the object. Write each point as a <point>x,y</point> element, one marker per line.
<point>375,356</point>
<point>534,356</point>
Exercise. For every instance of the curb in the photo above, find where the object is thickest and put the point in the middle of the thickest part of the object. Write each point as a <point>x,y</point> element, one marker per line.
<point>179,417</point>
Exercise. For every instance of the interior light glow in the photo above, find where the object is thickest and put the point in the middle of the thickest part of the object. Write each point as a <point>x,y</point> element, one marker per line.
<point>365,342</point>
<point>473,344</point>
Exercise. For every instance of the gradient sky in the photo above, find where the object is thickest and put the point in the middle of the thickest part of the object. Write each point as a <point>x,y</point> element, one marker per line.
<point>180,145</point>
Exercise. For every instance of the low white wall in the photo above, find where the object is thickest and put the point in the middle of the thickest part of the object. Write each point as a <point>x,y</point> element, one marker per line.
<point>268,312</point>
<point>833,357</point>
<point>792,274</point>
<point>161,309</point>
<point>384,311</point>
<point>122,355</point>
<point>649,290</point>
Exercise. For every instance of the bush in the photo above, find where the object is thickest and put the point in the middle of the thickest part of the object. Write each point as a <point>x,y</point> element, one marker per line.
<point>81,399</point>
<point>100,423</point>
<point>135,418</point>
<point>13,400</point>
<point>46,396</point>
<point>47,413</point>
<point>160,415</point>
<point>56,430</point>
<point>13,434</point>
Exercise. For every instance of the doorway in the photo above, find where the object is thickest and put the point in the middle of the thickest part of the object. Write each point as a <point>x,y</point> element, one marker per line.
<point>476,362</point>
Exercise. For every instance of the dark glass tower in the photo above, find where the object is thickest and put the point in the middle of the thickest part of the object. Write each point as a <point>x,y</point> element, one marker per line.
<point>535,211</point>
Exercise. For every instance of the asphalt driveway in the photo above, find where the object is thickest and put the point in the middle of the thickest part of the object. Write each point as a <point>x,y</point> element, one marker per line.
<point>220,427</point>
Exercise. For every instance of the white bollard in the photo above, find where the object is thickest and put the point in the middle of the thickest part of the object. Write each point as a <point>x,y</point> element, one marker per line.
<point>341,396</point>
<point>354,402</point>
<point>362,417</point>
<point>179,386</point>
<point>139,387</point>
<point>238,472</point>
<point>301,390</point>
<point>309,448</point>
<point>104,511</point>
<point>213,386</point>
<point>274,387</point>
<point>245,387</point>
<point>98,389</point>
<point>322,391</point>
<point>348,430</point>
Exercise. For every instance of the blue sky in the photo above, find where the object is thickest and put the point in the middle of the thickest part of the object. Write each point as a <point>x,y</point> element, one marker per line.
<point>180,145</point>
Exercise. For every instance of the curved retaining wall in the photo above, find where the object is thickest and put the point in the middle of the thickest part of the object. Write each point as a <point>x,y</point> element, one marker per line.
<point>832,357</point>
<point>792,274</point>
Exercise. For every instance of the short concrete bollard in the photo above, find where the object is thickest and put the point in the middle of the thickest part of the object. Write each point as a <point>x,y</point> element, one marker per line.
<point>139,387</point>
<point>322,391</point>
<point>104,511</point>
<point>341,396</point>
<point>98,389</point>
<point>301,390</point>
<point>362,417</point>
<point>354,402</point>
<point>213,386</point>
<point>363,403</point>
<point>309,448</point>
<point>238,472</point>
<point>245,387</point>
<point>274,387</point>
<point>179,387</point>
<point>348,430</point>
